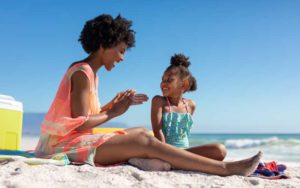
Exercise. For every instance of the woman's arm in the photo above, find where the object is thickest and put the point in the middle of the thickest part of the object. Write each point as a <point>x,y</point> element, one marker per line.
<point>156,118</point>
<point>136,99</point>
<point>106,107</point>
<point>80,91</point>
<point>112,102</point>
<point>80,103</point>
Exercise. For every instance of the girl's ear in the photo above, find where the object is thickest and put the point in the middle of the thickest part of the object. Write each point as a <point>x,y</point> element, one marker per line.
<point>185,84</point>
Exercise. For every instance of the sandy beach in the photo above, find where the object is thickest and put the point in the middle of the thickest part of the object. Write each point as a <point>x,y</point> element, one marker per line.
<point>19,174</point>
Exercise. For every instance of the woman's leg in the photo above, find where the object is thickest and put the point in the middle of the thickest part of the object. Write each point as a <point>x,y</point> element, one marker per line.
<point>136,130</point>
<point>146,163</point>
<point>120,148</point>
<point>212,151</point>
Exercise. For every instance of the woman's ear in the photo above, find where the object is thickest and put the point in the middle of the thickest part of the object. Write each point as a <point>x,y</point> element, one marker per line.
<point>185,84</point>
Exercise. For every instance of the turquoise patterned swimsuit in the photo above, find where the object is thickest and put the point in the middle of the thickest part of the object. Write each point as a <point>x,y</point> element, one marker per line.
<point>176,127</point>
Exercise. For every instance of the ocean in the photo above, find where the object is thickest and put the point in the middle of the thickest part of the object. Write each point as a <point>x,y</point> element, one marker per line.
<point>282,148</point>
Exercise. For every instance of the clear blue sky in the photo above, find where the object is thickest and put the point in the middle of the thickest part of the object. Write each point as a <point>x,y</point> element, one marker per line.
<point>245,57</point>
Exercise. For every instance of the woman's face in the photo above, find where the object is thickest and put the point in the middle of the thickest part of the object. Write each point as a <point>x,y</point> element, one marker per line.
<point>171,84</point>
<point>114,55</point>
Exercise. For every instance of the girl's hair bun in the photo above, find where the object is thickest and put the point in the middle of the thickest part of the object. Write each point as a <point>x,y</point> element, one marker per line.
<point>180,60</point>
<point>193,83</point>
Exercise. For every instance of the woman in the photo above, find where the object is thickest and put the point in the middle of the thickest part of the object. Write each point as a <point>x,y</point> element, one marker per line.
<point>67,126</point>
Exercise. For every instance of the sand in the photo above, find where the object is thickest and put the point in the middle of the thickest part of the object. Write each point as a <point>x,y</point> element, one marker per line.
<point>19,174</point>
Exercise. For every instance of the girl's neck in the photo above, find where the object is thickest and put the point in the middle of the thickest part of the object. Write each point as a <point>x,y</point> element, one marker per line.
<point>175,100</point>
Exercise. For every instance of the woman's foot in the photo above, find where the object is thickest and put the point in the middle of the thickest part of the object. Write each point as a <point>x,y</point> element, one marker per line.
<point>244,167</point>
<point>150,164</point>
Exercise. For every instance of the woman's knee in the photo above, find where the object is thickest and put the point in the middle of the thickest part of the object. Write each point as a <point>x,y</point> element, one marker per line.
<point>145,139</point>
<point>136,130</point>
<point>142,130</point>
<point>221,150</point>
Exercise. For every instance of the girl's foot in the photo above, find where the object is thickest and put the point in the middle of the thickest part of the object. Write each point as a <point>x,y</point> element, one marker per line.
<point>244,167</point>
<point>150,164</point>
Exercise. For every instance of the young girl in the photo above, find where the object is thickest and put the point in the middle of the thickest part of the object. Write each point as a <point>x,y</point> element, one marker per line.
<point>171,114</point>
<point>75,111</point>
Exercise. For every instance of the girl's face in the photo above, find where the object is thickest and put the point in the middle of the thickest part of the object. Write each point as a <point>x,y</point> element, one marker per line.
<point>171,85</point>
<point>114,55</point>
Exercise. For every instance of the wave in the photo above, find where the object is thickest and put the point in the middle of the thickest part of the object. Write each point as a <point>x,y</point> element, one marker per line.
<point>249,143</point>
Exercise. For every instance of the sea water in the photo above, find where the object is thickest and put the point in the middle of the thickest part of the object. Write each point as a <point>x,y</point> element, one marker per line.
<point>282,148</point>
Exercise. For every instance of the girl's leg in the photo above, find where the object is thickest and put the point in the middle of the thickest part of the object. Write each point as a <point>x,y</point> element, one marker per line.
<point>120,148</point>
<point>212,151</point>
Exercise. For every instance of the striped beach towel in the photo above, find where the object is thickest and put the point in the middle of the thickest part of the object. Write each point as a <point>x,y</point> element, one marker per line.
<point>29,158</point>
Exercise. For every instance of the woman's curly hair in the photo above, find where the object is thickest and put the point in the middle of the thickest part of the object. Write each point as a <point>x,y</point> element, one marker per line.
<point>107,32</point>
<point>180,64</point>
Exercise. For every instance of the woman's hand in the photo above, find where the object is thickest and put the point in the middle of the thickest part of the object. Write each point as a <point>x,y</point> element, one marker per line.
<point>124,100</point>
<point>138,99</point>
<point>135,98</point>
<point>115,100</point>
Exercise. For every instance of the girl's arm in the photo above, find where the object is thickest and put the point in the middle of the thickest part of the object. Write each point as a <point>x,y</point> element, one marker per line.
<point>192,105</point>
<point>156,118</point>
